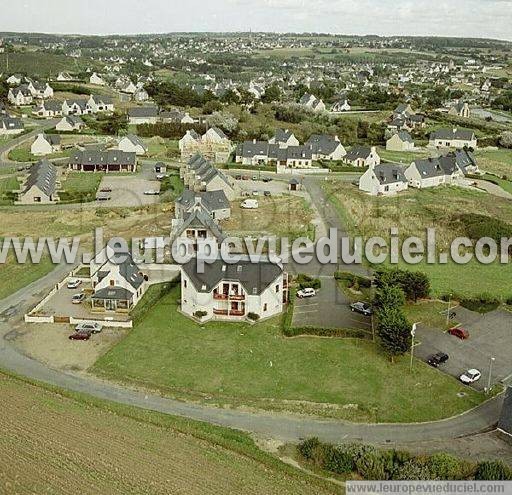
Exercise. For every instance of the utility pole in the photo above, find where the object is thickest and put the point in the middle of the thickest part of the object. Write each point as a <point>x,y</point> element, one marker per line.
<point>413,334</point>
<point>488,389</point>
<point>448,312</point>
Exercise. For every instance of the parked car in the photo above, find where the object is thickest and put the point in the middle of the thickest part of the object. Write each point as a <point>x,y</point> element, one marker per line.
<point>254,177</point>
<point>267,193</point>
<point>266,179</point>
<point>160,176</point>
<point>361,308</point>
<point>459,332</point>
<point>245,177</point>
<point>92,327</point>
<point>470,376</point>
<point>106,189</point>
<point>437,359</point>
<point>151,192</point>
<point>78,298</point>
<point>80,336</point>
<point>255,193</point>
<point>74,283</point>
<point>238,177</point>
<point>250,204</point>
<point>308,292</point>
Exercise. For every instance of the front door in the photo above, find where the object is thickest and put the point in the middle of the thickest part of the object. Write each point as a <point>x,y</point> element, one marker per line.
<point>110,305</point>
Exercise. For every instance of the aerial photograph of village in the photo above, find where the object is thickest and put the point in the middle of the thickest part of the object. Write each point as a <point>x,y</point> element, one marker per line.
<point>255,247</point>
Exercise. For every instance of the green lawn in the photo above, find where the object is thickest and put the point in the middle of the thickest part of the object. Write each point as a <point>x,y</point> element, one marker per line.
<point>22,154</point>
<point>163,151</point>
<point>498,162</point>
<point>80,186</point>
<point>255,366</point>
<point>430,313</point>
<point>7,184</point>
<point>406,157</point>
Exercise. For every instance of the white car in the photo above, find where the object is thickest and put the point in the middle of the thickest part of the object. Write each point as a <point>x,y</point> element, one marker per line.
<point>250,204</point>
<point>92,327</point>
<point>306,293</point>
<point>151,193</point>
<point>74,283</point>
<point>470,376</point>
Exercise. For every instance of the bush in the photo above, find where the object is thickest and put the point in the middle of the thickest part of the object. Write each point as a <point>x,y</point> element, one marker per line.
<point>253,316</point>
<point>353,281</point>
<point>371,466</point>
<point>200,314</point>
<point>481,304</point>
<point>493,471</point>
<point>412,470</point>
<point>307,448</point>
<point>477,226</point>
<point>305,281</point>
<point>327,332</point>
<point>339,460</point>
<point>415,285</point>
<point>447,467</point>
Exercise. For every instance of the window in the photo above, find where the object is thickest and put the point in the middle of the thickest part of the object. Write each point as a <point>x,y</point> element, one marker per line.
<point>184,284</point>
<point>112,283</point>
<point>265,307</point>
<point>277,288</point>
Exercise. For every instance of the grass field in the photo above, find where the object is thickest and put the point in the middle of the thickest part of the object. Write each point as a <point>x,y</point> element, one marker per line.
<point>22,154</point>
<point>7,184</point>
<point>414,211</point>
<point>91,446</point>
<point>255,366</point>
<point>498,162</point>
<point>401,156</point>
<point>80,186</point>
<point>41,64</point>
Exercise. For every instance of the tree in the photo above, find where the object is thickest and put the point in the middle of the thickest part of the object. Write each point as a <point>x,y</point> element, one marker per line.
<point>4,90</point>
<point>389,296</point>
<point>506,139</point>
<point>272,93</point>
<point>415,285</point>
<point>212,106</point>
<point>225,120</point>
<point>394,331</point>
<point>493,470</point>
<point>113,124</point>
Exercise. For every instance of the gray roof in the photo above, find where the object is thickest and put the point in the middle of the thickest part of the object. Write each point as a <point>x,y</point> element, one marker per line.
<point>358,152</point>
<point>210,200</point>
<point>141,112</point>
<point>11,123</point>
<point>432,167</point>
<point>389,174</point>
<point>205,170</point>
<point>248,149</point>
<point>110,157</point>
<point>82,104</point>
<point>219,132</point>
<point>449,134</point>
<point>114,293</point>
<point>505,422</point>
<point>405,137</point>
<point>136,140</point>
<point>199,219</point>
<point>282,135</point>
<point>43,175</point>
<point>52,105</point>
<point>322,144</point>
<point>106,100</point>
<point>74,120</point>
<point>254,277</point>
<point>127,269</point>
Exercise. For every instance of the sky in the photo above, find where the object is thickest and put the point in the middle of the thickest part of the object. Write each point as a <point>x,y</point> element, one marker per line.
<point>461,18</point>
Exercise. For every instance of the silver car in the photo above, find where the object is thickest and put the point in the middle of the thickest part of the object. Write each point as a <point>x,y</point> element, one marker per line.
<point>92,327</point>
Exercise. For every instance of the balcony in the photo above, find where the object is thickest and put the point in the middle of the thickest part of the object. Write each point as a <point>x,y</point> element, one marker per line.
<point>220,297</point>
<point>236,313</point>
<point>220,312</point>
<point>225,297</point>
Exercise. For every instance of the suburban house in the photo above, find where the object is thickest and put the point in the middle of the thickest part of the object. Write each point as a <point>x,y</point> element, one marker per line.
<point>50,108</point>
<point>14,80</point>
<point>118,284</point>
<point>199,174</point>
<point>196,226</point>
<point>362,156</point>
<point>213,144</point>
<point>70,123</point>
<point>103,161</point>
<point>75,107</point>
<point>96,79</point>
<point>263,153</point>
<point>431,172</point>
<point>284,138</point>
<point>460,109</point>
<point>453,138</point>
<point>313,103</point>
<point>40,90</point>
<point>45,144</point>
<point>342,105</point>
<point>325,147</point>
<point>133,144</point>
<point>405,118</point>
<point>383,180</point>
<point>215,203</point>
<point>98,103</point>
<point>64,77</point>
<point>141,95</point>
<point>9,125</point>
<point>143,115</point>
<point>234,291</point>
<point>401,141</point>
<point>40,186</point>
<point>175,117</point>
<point>20,96</point>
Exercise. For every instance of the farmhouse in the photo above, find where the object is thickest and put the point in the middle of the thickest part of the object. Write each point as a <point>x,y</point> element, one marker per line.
<point>233,291</point>
<point>118,284</point>
<point>401,141</point>
<point>9,125</point>
<point>453,138</point>
<point>40,90</point>
<point>103,161</point>
<point>70,123</point>
<point>14,80</point>
<point>383,180</point>
<point>362,156</point>
<point>96,79</point>
<point>40,187</point>
<point>429,173</point>
<point>45,144</point>
<point>342,105</point>
<point>460,109</point>
<point>215,203</point>
<point>133,144</point>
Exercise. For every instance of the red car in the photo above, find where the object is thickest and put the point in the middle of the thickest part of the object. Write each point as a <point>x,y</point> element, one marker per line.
<point>459,332</point>
<point>80,336</point>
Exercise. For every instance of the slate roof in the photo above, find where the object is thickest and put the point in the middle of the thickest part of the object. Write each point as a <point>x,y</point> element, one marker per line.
<point>210,200</point>
<point>205,170</point>
<point>432,167</point>
<point>80,103</point>
<point>74,120</point>
<point>127,269</point>
<point>200,219</point>
<point>93,157</point>
<point>505,421</point>
<point>282,135</point>
<point>322,144</point>
<point>449,134</point>
<point>389,174</point>
<point>43,174</point>
<point>141,112</point>
<point>358,152</point>
<point>219,132</point>
<point>114,293</point>
<point>405,137</point>
<point>52,105</point>
<point>11,123</point>
<point>106,100</point>
<point>254,277</point>
<point>136,141</point>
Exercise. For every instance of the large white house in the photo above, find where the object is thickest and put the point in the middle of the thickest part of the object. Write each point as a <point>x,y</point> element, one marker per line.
<point>362,156</point>
<point>453,138</point>
<point>385,180</point>
<point>325,147</point>
<point>133,144</point>
<point>233,291</point>
<point>45,144</point>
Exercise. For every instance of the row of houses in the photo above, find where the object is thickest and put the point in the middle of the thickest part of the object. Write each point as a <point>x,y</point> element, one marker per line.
<point>213,145</point>
<point>154,115</point>
<point>24,94</point>
<point>75,106</point>
<point>389,179</point>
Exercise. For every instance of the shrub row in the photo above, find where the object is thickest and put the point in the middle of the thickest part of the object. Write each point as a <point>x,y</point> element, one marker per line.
<point>353,281</point>
<point>370,463</point>
<point>327,332</point>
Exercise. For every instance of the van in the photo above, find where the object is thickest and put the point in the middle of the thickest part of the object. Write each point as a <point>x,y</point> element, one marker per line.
<point>249,204</point>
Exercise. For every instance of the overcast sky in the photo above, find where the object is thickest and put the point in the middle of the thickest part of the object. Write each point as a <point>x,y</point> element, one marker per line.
<point>466,18</point>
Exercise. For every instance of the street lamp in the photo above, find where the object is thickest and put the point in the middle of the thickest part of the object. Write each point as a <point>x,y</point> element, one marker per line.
<point>490,374</point>
<point>448,312</point>
<point>413,335</point>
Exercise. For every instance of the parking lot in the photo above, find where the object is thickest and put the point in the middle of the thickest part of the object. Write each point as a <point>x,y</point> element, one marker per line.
<point>490,336</point>
<point>128,191</point>
<point>60,304</point>
<point>275,187</point>
<point>330,308</point>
